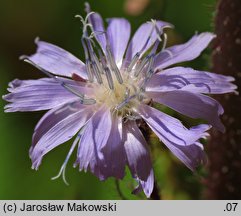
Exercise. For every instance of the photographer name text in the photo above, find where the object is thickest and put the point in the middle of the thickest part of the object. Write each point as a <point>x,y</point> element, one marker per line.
<point>69,206</point>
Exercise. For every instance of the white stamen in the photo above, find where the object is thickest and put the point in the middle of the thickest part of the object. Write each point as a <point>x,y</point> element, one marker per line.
<point>88,63</point>
<point>133,62</point>
<point>85,21</point>
<point>148,39</point>
<point>102,58</point>
<point>88,101</point>
<point>96,60</point>
<point>97,73</point>
<point>126,101</point>
<point>157,29</point>
<point>154,49</point>
<point>150,63</point>
<point>93,56</point>
<point>112,62</point>
<point>72,90</point>
<point>164,41</point>
<point>145,81</point>
<point>89,71</point>
<point>109,78</point>
<point>141,65</point>
<point>63,167</point>
<point>138,54</point>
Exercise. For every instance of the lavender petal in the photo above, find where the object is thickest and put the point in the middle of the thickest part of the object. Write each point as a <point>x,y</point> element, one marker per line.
<point>146,186</point>
<point>192,156</point>
<point>94,139</point>
<point>137,151</point>
<point>140,38</point>
<point>57,60</point>
<point>180,140</point>
<point>184,52</point>
<point>33,95</point>
<point>118,32</point>
<point>114,160</point>
<point>193,105</point>
<point>56,127</point>
<point>191,80</point>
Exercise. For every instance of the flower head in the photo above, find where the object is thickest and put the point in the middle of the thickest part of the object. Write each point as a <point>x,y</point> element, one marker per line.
<point>101,100</point>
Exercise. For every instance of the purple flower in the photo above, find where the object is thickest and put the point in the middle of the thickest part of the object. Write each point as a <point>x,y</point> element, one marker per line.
<point>100,101</point>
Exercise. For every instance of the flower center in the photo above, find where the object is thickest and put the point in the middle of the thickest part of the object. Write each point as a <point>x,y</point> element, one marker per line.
<point>119,88</point>
<point>122,98</point>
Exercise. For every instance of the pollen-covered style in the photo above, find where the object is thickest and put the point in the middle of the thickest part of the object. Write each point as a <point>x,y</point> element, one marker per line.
<point>100,102</point>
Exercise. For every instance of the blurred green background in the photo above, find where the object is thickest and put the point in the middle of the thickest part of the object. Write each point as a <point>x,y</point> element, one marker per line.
<point>53,21</point>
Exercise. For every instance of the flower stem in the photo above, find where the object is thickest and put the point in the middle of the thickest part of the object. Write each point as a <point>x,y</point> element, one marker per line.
<point>119,190</point>
<point>224,150</point>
